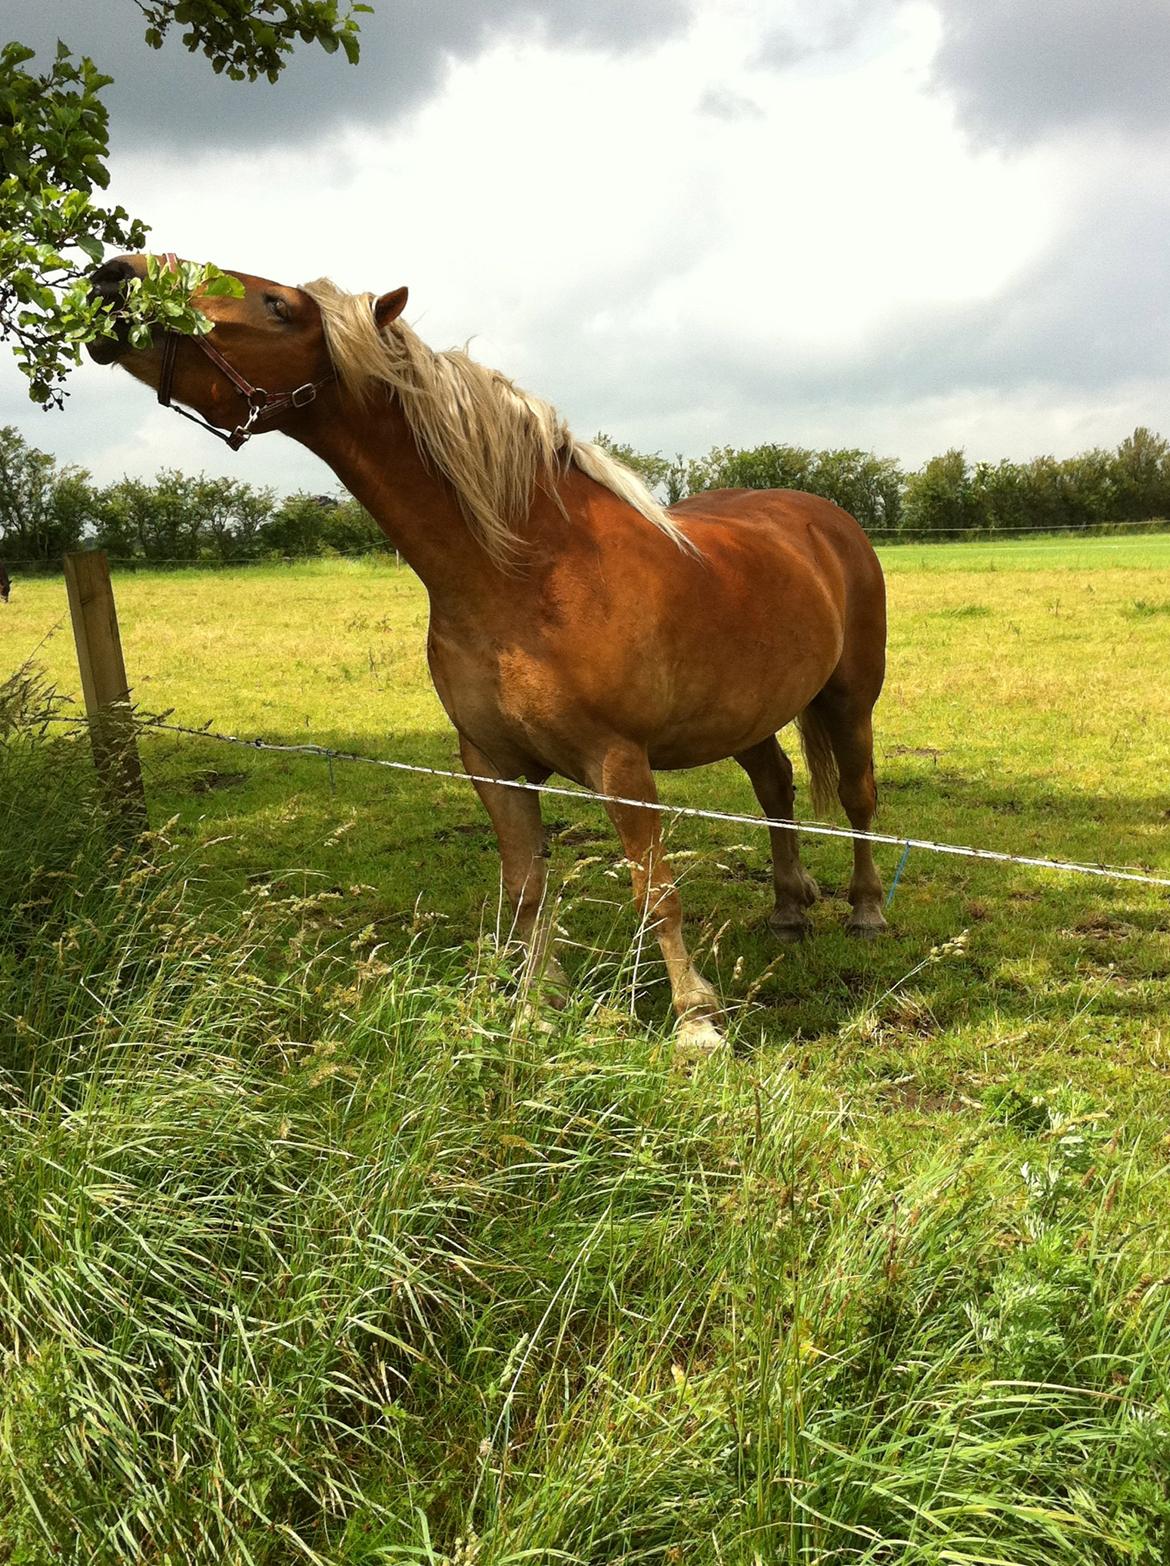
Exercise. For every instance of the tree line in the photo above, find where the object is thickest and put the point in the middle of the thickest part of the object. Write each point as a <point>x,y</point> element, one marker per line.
<point>47,510</point>
<point>947,495</point>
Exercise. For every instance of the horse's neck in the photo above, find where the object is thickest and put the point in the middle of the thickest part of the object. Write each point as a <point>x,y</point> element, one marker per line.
<point>375,456</point>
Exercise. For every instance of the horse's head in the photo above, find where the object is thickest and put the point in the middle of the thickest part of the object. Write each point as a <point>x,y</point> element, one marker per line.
<point>264,361</point>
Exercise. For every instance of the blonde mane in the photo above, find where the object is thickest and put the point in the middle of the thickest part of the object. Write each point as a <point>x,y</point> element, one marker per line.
<point>492,441</point>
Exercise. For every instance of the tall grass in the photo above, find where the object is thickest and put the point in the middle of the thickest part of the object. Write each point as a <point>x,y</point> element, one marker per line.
<point>308,1256</point>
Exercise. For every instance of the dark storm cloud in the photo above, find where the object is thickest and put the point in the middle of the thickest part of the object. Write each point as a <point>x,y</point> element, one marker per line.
<point>173,98</point>
<point>1020,71</point>
<point>1017,69</point>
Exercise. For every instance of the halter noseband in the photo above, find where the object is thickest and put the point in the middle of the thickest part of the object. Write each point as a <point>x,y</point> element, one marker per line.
<point>261,404</point>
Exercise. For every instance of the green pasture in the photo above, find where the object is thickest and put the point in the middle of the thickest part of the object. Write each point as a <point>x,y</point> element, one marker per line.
<point>315,1248</point>
<point>1027,708</point>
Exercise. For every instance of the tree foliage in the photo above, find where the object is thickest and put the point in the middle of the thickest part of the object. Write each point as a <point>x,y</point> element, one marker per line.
<point>868,487</point>
<point>948,495</point>
<point>246,39</point>
<point>54,147</point>
<point>46,511</point>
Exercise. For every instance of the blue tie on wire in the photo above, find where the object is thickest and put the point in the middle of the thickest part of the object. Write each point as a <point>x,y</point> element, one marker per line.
<point>898,875</point>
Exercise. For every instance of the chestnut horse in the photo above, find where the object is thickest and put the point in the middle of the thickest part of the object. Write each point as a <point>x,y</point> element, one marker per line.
<point>575,625</point>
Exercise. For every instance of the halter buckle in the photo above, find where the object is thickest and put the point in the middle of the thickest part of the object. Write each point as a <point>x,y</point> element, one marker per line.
<point>304,395</point>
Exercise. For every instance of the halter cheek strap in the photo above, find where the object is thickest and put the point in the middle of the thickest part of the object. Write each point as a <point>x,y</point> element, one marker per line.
<point>262,405</point>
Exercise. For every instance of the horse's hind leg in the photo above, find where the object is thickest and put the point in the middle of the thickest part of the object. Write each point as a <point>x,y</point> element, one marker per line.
<point>770,772</point>
<point>515,815</point>
<point>848,724</point>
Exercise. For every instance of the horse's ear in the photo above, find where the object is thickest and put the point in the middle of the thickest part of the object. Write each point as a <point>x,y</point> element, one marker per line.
<point>389,307</point>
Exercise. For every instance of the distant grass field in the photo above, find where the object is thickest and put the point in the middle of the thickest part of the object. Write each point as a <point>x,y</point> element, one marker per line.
<point>313,1249</point>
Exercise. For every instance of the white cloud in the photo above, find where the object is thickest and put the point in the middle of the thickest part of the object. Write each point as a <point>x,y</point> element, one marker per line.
<point>823,260</point>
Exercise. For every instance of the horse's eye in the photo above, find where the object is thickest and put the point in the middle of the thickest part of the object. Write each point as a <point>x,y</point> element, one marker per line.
<point>276,306</point>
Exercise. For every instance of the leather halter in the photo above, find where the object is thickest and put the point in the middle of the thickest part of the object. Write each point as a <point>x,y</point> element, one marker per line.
<point>262,404</point>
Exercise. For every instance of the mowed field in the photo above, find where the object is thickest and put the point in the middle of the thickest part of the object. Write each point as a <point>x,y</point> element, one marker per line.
<point>321,1251</point>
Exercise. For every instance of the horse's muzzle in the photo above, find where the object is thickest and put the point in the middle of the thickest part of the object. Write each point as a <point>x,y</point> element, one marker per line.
<point>108,284</point>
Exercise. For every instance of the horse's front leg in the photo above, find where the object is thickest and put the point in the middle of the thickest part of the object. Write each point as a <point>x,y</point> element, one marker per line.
<point>515,815</point>
<point>626,771</point>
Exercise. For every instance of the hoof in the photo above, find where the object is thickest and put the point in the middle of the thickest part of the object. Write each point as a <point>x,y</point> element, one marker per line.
<point>538,1007</point>
<point>554,997</point>
<point>549,986</point>
<point>786,927</point>
<point>867,928</point>
<point>696,1038</point>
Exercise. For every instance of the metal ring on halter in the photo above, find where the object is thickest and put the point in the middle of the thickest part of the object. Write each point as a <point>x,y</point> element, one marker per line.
<point>243,432</point>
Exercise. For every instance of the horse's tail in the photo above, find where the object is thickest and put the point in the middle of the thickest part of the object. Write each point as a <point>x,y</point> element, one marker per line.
<point>820,759</point>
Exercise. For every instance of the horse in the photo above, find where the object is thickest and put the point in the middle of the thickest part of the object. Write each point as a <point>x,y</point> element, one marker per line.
<point>576,626</point>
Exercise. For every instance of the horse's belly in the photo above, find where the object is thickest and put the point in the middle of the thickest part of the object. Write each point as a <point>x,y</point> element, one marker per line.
<point>736,694</point>
<point>674,757</point>
<point>704,740</point>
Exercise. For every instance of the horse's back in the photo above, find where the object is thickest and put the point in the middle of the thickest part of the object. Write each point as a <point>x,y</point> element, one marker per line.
<point>831,544</point>
<point>794,511</point>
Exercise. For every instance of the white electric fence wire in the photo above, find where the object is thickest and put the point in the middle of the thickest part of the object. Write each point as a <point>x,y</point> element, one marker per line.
<point>817,829</point>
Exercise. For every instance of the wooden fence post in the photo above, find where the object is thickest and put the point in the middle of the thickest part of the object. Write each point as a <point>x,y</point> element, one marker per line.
<point>103,682</point>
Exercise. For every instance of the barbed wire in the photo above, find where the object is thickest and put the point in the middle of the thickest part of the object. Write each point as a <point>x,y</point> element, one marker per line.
<point>690,812</point>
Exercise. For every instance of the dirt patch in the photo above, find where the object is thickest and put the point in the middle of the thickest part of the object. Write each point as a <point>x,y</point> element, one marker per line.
<point>575,835</point>
<point>738,870</point>
<point>1100,927</point>
<point>927,752</point>
<point>211,781</point>
<point>473,829</point>
<point>918,1099</point>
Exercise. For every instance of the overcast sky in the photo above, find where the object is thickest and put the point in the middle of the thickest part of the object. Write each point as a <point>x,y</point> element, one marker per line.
<point>895,224</point>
